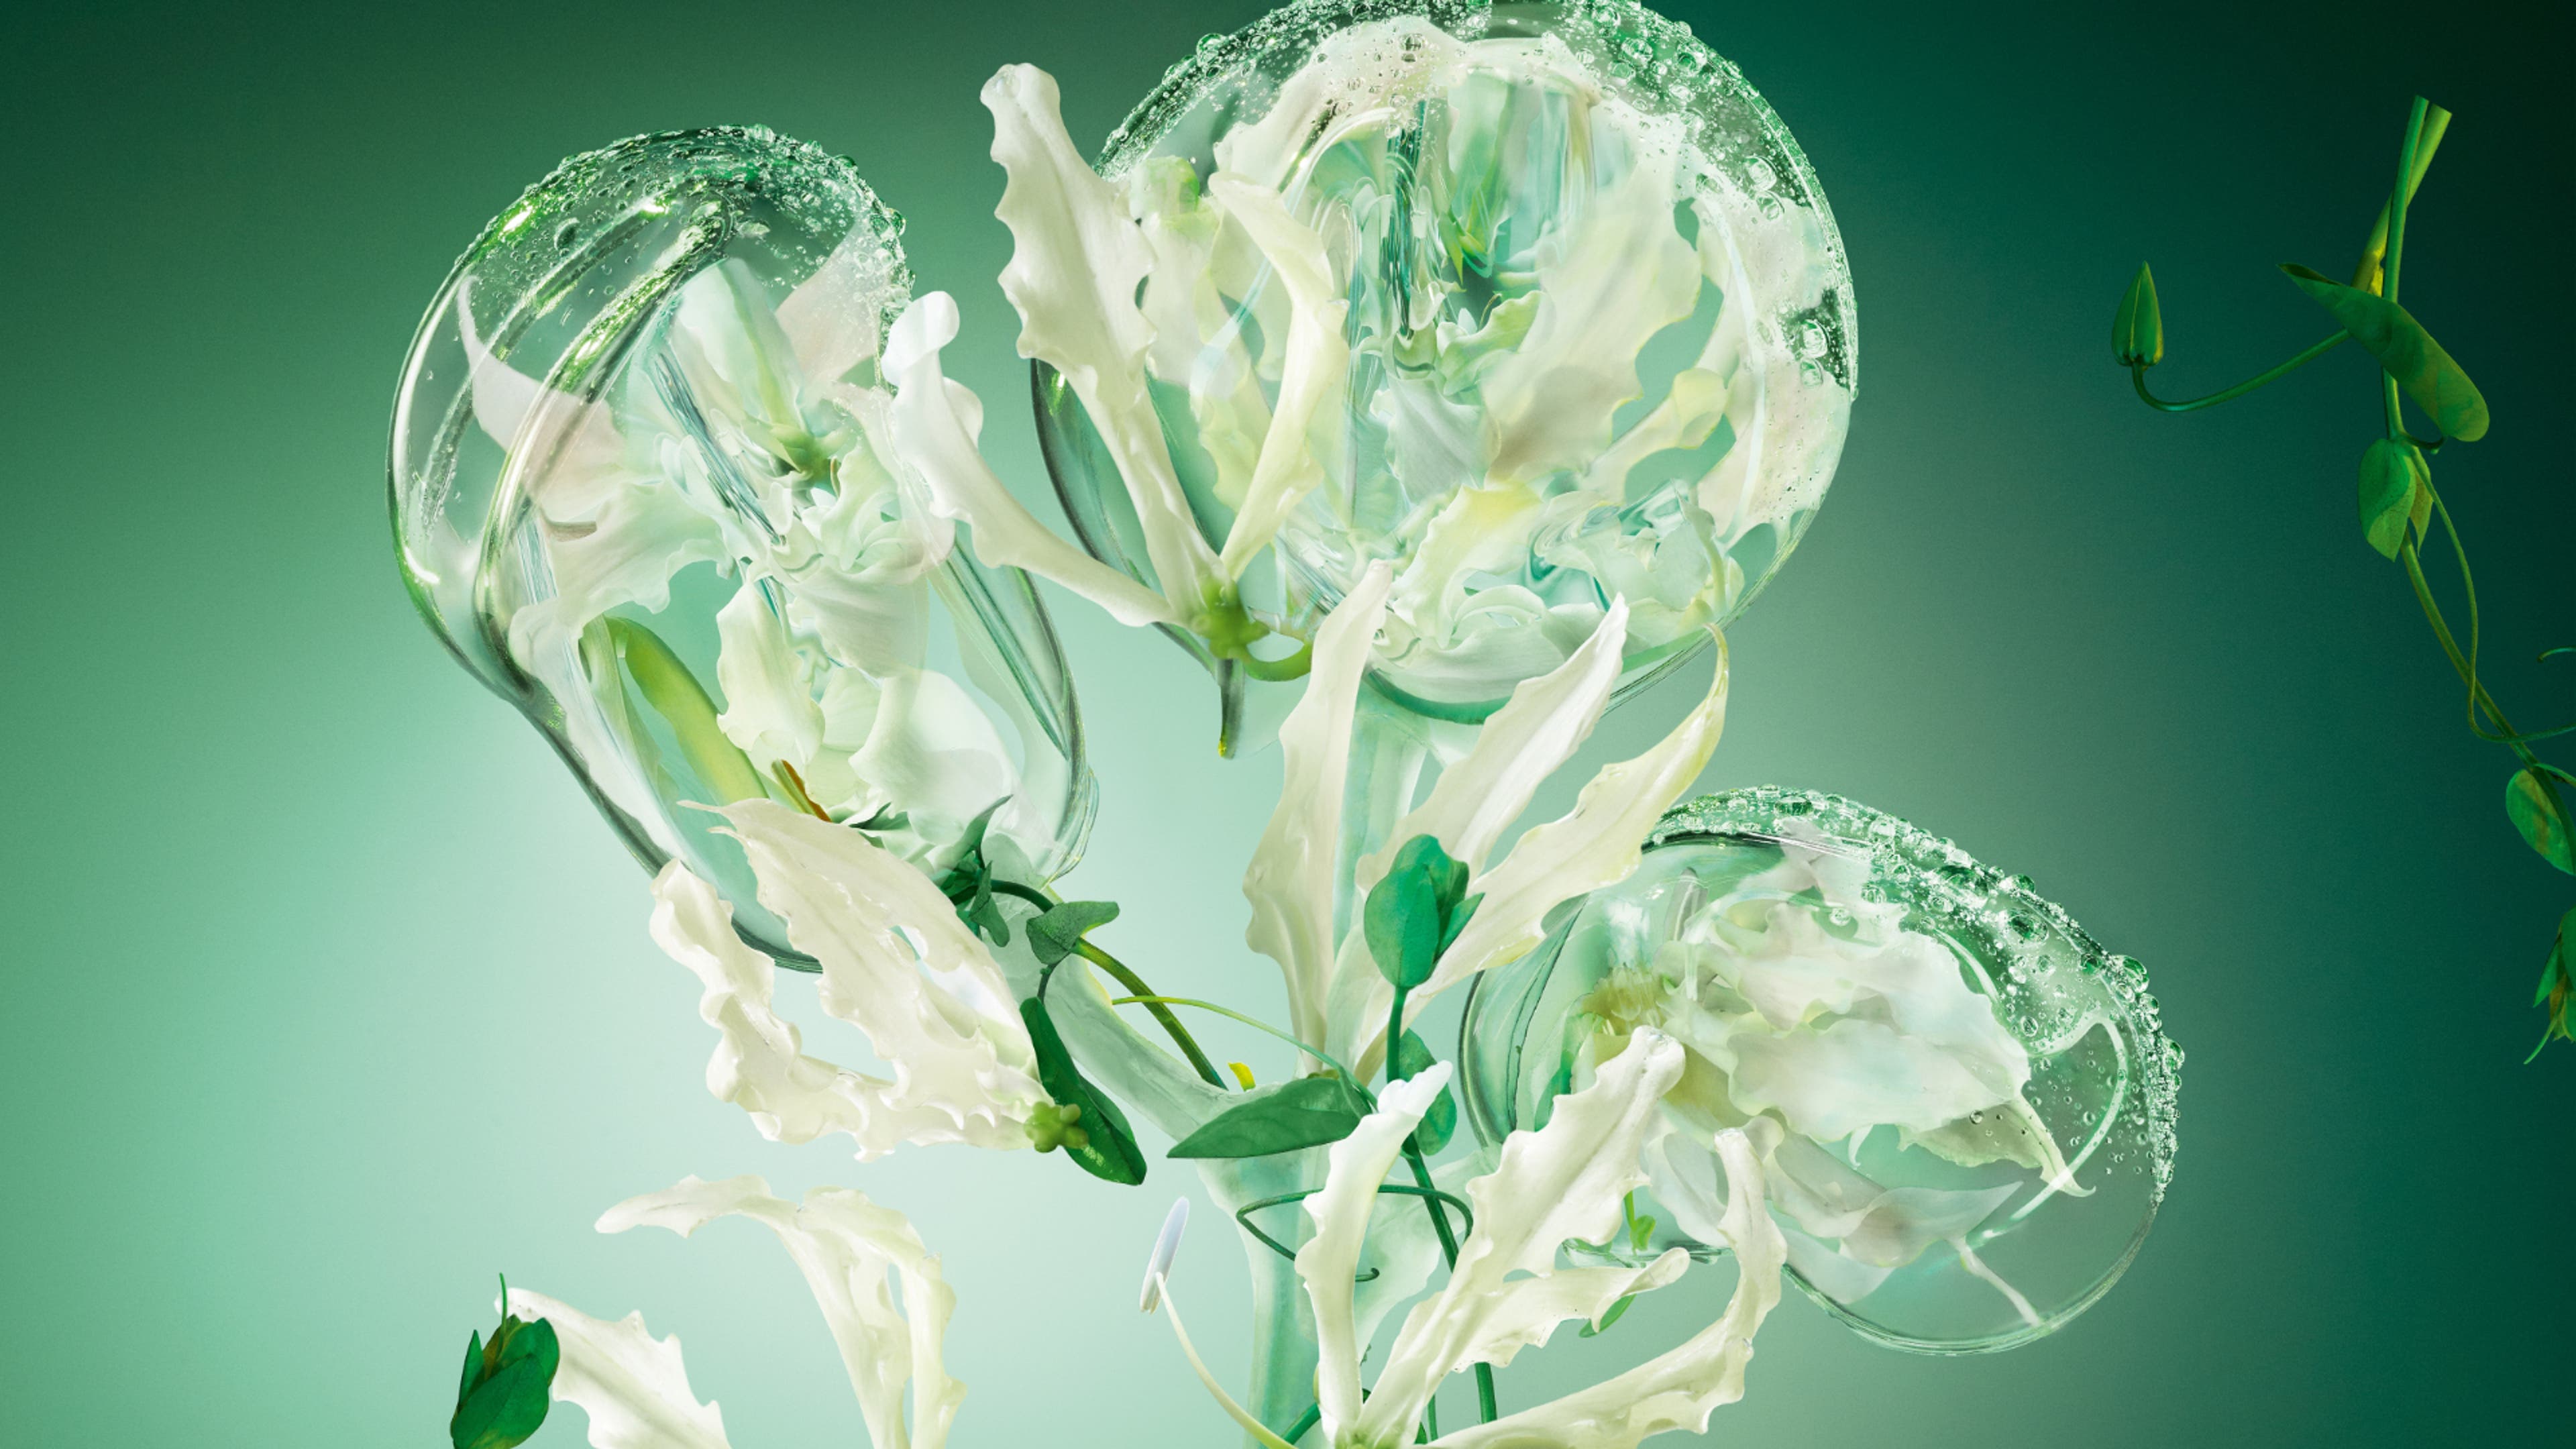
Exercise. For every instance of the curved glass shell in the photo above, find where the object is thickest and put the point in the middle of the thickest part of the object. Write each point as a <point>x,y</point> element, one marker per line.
<point>639,489</point>
<point>1599,321</point>
<point>1966,1107</point>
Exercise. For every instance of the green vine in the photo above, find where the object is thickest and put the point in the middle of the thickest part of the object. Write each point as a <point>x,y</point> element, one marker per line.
<point>2398,503</point>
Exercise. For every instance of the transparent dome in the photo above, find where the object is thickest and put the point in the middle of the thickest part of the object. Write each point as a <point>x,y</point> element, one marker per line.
<point>1600,328</point>
<point>1966,1108</point>
<point>639,489</point>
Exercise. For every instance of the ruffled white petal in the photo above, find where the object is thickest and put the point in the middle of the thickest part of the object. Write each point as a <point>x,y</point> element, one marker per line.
<point>1330,1259</point>
<point>770,713</point>
<point>1076,263</point>
<point>1290,880</point>
<point>1317,359</point>
<point>1564,1181</point>
<point>933,422</point>
<point>631,1384</point>
<point>1680,1388</point>
<point>1596,843</point>
<point>846,1246</point>
<point>1621,274</point>
<point>1478,798</point>
<point>963,1067</point>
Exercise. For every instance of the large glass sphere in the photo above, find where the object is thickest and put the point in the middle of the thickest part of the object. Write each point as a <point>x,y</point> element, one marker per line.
<point>640,489</point>
<point>1966,1108</point>
<point>1599,322</point>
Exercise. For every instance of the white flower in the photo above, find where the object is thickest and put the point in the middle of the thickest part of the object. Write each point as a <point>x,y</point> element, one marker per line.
<point>635,1389</point>
<point>1078,262</point>
<point>896,963</point>
<point>737,437</point>
<point>1506,1292</point>
<point>1813,1018</point>
<point>1504,334</point>
<point>1336,997</point>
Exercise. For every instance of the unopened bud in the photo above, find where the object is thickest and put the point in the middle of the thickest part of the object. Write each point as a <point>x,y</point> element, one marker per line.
<point>2138,329</point>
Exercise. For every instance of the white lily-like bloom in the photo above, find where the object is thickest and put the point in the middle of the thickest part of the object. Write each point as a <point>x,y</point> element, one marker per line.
<point>1336,996</point>
<point>896,963</point>
<point>739,438</point>
<point>1218,312</point>
<point>1811,1019</point>
<point>1079,257</point>
<point>635,1389</point>
<point>1563,1182</point>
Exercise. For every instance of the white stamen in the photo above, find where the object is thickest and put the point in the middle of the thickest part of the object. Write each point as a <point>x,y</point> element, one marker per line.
<point>1259,1431</point>
<point>1167,1245</point>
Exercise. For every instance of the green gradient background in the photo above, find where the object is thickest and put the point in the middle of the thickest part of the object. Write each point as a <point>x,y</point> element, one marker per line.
<point>328,995</point>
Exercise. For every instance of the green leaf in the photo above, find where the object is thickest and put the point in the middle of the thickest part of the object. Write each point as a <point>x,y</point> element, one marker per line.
<point>1412,1058</point>
<point>1402,921</point>
<point>1105,1146</point>
<point>2394,479</point>
<point>504,1410</point>
<point>2409,354</point>
<point>2529,803</point>
<point>1459,915</point>
<point>502,1397</point>
<point>986,914</point>
<point>1057,932</point>
<point>2138,328</point>
<point>1307,1112</point>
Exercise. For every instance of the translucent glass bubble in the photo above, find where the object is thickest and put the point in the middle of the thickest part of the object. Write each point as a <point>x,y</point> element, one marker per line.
<point>639,490</point>
<point>1966,1108</point>
<point>1600,327</point>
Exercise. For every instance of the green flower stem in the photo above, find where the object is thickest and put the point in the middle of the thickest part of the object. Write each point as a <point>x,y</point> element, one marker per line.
<point>1314,1415</point>
<point>1171,1024</point>
<point>1128,978</point>
<point>2479,699</point>
<point>1439,1220</point>
<point>1244,1213</point>
<point>2397,200</point>
<point>2139,375</point>
<point>1258,1025</point>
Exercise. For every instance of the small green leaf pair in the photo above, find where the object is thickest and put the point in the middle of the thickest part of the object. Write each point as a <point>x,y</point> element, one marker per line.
<point>503,1397</point>
<point>1083,1120</point>
<point>969,883</point>
<point>1416,911</point>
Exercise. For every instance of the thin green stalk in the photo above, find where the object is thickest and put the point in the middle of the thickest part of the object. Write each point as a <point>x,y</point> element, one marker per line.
<point>1485,1403</point>
<point>1171,1024</point>
<point>2397,200</point>
<point>1314,1415</point>
<point>1256,1024</point>
<point>2138,374</point>
<point>1126,977</point>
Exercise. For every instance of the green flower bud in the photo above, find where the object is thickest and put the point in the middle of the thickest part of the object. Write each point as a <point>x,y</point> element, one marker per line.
<point>2138,328</point>
<point>503,1397</point>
